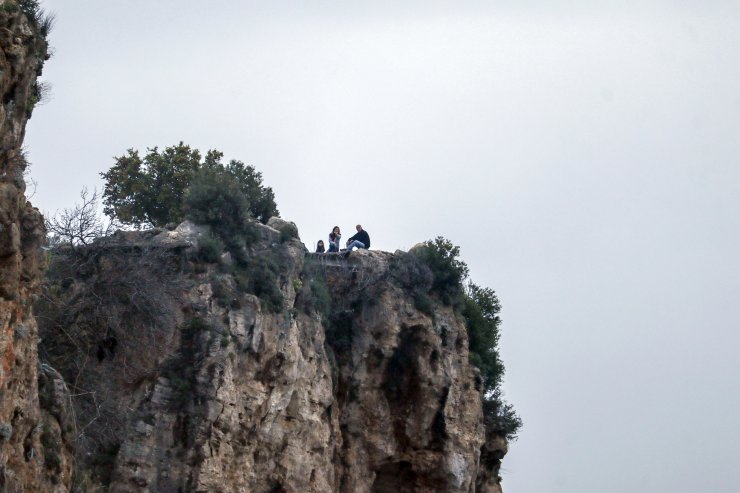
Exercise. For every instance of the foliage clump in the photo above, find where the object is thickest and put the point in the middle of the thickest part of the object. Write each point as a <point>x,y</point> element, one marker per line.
<point>314,295</point>
<point>434,269</point>
<point>259,275</point>
<point>215,198</point>
<point>151,190</point>
<point>210,249</point>
<point>448,271</point>
<point>412,274</point>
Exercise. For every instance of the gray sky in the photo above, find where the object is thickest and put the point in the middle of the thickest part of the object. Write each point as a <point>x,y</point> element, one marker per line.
<point>584,155</point>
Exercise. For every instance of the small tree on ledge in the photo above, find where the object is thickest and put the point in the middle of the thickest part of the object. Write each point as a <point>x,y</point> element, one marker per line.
<point>151,190</point>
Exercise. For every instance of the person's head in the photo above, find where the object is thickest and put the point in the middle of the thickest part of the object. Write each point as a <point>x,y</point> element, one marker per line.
<point>359,228</point>
<point>320,244</point>
<point>335,230</point>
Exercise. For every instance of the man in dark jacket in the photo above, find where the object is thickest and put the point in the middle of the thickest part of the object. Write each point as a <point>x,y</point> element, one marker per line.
<point>360,240</point>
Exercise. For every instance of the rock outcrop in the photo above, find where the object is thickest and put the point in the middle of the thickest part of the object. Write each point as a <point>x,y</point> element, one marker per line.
<point>34,452</point>
<point>165,366</point>
<point>282,371</point>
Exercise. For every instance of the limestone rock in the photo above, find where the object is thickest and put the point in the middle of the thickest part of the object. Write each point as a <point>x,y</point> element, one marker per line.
<point>224,392</point>
<point>34,449</point>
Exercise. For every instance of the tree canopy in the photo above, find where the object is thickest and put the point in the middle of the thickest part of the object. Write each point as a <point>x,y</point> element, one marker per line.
<point>152,190</point>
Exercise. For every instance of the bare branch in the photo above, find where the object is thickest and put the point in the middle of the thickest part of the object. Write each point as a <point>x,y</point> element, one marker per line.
<point>80,225</point>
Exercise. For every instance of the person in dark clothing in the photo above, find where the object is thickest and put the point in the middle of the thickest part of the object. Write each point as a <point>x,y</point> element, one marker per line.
<point>320,246</point>
<point>360,240</point>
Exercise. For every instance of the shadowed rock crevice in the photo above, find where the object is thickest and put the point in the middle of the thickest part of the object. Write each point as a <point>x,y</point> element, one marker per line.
<point>396,477</point>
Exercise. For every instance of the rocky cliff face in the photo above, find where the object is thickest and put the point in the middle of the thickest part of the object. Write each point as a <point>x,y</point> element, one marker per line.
<point>33,453</point>
<point>282,371</point>
<point>179,370</point>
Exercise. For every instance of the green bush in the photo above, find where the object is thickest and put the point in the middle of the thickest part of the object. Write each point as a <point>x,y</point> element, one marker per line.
<point>500,417</point>
<point>150,190</point>
<point>424,303</point>
<point>408,270</point>
<point>448,272</point>
<point>314,296</point>
<point>415,277</point>
<point>259,276</point>
<point>210,249</point>
<point>215,198</point>
<point>480,310</point>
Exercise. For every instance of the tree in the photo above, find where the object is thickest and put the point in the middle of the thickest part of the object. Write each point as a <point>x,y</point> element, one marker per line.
<point>80,225</point>
<point>151,191</point>
<point>261,199</point>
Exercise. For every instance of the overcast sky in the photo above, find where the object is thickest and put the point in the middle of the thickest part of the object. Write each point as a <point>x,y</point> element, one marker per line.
<point>584,155</point>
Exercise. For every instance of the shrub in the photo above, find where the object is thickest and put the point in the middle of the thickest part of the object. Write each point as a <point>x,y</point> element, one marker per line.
<point>415,277</point>
<point>500,417</point>
<point>411,273</point>
<point>320,295</point>
<point>259,276</point>
<point>448,272</point>
<point>480,310</point>
<point>210,249</point>
<point>424,303</point>
<point>215,198</point>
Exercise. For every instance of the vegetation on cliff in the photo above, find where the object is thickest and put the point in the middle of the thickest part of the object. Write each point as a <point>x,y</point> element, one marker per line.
<point>42,21</point>
<point>434,269</point>
<point>175,184</point>
<point>152,191</point>
<point>112,302</point>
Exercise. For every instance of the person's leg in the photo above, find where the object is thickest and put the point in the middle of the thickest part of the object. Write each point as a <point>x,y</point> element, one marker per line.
<point>354,244</point>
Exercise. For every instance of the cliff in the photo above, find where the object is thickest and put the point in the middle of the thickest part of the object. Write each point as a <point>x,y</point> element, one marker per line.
<point>157,362</point>
<point>268,370</point>
<point>34,453</point>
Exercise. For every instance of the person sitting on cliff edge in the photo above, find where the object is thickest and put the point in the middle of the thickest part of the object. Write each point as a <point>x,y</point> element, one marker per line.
<point>334,237</point>
<point>360,240</point>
